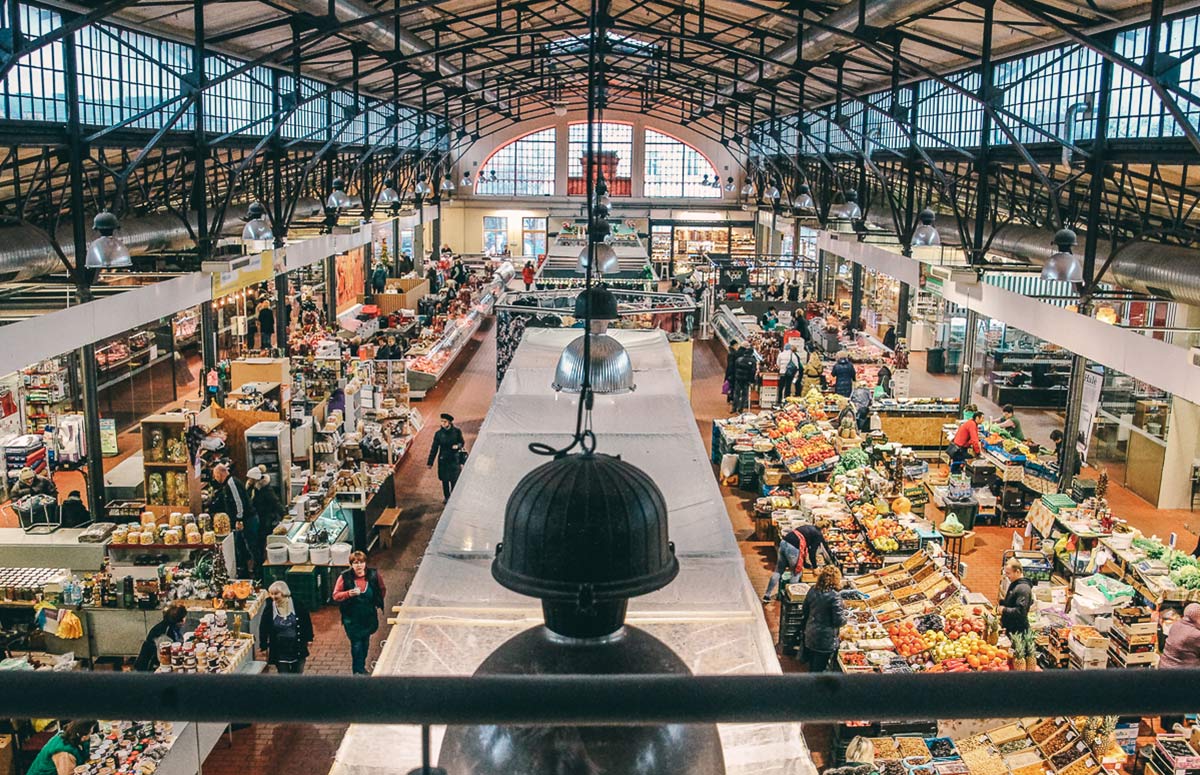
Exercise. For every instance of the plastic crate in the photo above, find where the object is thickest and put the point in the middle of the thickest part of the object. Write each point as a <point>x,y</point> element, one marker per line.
<point>305,581</point>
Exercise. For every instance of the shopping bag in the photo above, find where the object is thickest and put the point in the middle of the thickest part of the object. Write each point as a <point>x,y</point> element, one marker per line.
<point>728,465</point>
<point>725,388</point>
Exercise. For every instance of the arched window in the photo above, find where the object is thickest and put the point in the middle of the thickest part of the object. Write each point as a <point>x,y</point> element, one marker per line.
<point>676,169</point>
<point>615,158</point>
<point>522,167</point>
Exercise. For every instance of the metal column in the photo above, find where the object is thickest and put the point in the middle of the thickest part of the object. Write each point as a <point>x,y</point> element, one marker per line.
<point>1070,452</point>
<point>856,292</point>
<point>902,312</point>
<point>331,291</point>
<point>208,339</point>
<point>282,302</point>
<point>88,377</point>
<point>419,239</point>
<point>968,358</point>
<point>437,230</point>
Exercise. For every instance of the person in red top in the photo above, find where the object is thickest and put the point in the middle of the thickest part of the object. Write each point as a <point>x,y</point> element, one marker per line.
<point>528,274</point>
<point>966,439</point>
<point>360,594</point>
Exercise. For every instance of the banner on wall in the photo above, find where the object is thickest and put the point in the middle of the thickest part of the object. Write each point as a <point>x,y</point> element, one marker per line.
<point>351,279</point>
<point>1093,381</point>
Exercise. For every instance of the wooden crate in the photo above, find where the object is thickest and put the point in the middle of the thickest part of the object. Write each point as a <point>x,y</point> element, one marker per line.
<point>409,292</point>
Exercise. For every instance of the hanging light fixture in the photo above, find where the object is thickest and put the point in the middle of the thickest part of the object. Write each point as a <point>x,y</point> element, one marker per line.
<point>466,180</point>
<point>584,498</point>
<point>926,233</point>
<point>729,186</point>
<point>492,176</point>
<point>107,251</point>
<point>422,187</point>
<point>804,200</point>
<point>389,196</point>
<point>850,210</point>
<point>482,178</point>
<point>748,189</point>
<point>447,184</point>
<point>257,227</point>
<point>1063,265</point>
<point>772,192</point>
<point>338,199</point>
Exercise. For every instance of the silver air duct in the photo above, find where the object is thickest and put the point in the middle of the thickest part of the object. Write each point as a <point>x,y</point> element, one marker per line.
<point>26,254</point>
<point>820,43</point>
<point>1169,272</point>
<point>379,34</point>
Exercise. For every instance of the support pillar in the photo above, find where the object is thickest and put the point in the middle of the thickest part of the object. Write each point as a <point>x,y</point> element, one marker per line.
<point>208,336</point>
<point>395,247</point>
<point>902,312</point>
<point>331,290</point>
<point>282,318</point>
<point>1070,451</point>
<point>419,240</point>
<point>819,282</point>
<point>437,231</point>
<point>968,358</point>
<point>856,293</point>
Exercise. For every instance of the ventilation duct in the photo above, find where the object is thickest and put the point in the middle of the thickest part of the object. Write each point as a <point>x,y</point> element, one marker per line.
<point>1170,272</point>
<point>26,254</point>
<point>820,43</point>
<point>380,35</point>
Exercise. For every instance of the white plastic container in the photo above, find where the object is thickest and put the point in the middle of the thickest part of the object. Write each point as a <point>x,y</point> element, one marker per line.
<point>339,554</point>
<point>298,554</point>
<point>319,554</point>
<point>277,554</point>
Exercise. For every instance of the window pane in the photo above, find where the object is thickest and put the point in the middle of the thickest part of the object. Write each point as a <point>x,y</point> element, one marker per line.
<point>615,142</point>
<point>674,168</point>
<point>524,167</point>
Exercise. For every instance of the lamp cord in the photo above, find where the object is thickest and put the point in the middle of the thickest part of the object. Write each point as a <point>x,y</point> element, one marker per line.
<point>583,436</point>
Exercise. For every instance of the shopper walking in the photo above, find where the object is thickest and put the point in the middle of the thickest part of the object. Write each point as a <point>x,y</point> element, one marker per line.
<point>744,372</point>
<point>360,594</point>
<point>528,273</point>
<point>447,449</point>
<point>379,278</point>
<point>266,324</point>
<point>233,499</point>
<point>730,367</point>
<point>459,273</point>
<point>799,549</point>
<point>68,749</point>
<point>889,338</point>
<point>814,371</point>
<point>169,630</point>
<point>1014,616</point>
<point>824,615</point>
<point>285,630</point>
<point>435,280</point>
<point>843,375</point>
<point>788,364</point>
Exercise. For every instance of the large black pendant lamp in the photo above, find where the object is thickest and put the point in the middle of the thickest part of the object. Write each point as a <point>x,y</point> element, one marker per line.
<point>584,533</point>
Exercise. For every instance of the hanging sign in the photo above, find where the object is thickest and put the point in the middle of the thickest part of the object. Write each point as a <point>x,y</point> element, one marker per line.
<point>1093,381</point>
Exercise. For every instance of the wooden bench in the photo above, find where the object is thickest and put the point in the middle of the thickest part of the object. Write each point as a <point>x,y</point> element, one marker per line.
<point>386,526</point>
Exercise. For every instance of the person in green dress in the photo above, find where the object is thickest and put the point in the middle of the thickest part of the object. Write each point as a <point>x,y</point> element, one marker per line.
<point>65,751</point>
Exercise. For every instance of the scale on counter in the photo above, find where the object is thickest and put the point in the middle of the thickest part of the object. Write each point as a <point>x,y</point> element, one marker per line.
<point>1152,568</point>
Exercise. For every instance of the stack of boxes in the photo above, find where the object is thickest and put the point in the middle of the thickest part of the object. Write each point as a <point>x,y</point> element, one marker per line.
<point>1133,638</point>
<point>1173,755</point>
<point>747,470</point>
<point>1057,655</point>
<point>1088,649</point>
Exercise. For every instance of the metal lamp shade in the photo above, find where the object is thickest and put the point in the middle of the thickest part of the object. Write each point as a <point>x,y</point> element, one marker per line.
<point>772,192</point>
<point>389,197</point>
<point>466,180</point>
<point>338,200</point>
<point>1064,267</point>
<point>447,184</point>
<point>107,252</point>
<point>925,234</point>
<point>422,188</point>
<point>804,202</point>
<point>611,371</point>
<point>257,229</point>
<point>606,259</point>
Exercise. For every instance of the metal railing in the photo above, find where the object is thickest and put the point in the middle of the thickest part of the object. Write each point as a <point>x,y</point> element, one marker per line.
<point>597,700</point>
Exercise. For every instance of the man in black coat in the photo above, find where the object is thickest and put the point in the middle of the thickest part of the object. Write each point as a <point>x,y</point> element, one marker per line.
<point>730,364</point>
<point>169,630</point>
<point>744,372</point>
<point>232,498</point>
<point>447,448</point>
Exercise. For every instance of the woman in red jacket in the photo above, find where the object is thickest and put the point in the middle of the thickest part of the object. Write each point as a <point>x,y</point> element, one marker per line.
<point>527,274</point>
